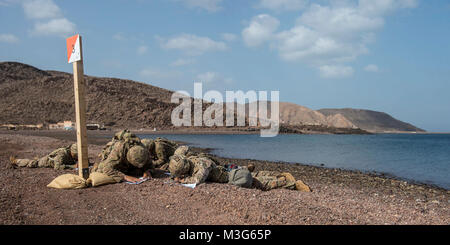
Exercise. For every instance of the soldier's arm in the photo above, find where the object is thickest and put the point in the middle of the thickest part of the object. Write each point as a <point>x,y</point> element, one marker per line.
<point>161,154</point>
<point>108,167</point>
<point>130,178</point>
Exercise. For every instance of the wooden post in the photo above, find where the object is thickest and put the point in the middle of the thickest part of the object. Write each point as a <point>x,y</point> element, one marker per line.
<point>80,107</point>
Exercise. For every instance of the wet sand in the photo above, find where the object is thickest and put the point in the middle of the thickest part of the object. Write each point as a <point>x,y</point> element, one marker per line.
<point>338,197</point>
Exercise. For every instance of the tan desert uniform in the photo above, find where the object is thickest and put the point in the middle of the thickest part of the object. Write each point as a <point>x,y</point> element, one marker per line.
<point>269,180</point>
<point>60,158</point>
<point>118,164</point>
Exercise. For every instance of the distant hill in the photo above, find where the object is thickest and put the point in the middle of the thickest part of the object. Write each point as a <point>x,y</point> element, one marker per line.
<point>293,114</point>
<point>372,121</point>
<point>29,95</point>
<point>32,96</point>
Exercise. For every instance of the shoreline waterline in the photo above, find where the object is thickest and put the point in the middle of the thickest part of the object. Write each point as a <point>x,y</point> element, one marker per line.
<point>416,158</point>
<point>101,137</point>
<point>337,197</point>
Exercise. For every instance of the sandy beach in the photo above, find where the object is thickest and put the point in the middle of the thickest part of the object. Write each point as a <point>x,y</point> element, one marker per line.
<point>338,197</point>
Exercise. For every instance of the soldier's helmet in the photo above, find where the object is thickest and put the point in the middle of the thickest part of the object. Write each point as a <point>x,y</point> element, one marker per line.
<point>148,143</point>
<point>137,156</point>
<point>74,151</point>
<point>179,165</point>
<point>119,135</point>
<point>182,150</point>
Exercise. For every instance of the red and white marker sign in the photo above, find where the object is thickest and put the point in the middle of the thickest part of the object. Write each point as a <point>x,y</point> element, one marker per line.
<point>73,49</point>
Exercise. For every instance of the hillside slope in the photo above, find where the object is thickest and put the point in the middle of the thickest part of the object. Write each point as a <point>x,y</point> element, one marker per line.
<point>372,121</point>
<point>293,114</point>
<point>30,96</point>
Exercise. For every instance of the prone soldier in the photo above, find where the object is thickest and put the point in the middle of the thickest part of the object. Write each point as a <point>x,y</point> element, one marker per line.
<point>269,180</point>
<point>191,168</point>
<point>124,157</point>
<point>61,158</point>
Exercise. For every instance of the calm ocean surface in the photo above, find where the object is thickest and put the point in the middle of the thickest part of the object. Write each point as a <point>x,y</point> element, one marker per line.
<point>422,157</point>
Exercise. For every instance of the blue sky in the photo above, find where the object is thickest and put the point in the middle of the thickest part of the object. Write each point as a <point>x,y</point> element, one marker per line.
<point>384,55</point>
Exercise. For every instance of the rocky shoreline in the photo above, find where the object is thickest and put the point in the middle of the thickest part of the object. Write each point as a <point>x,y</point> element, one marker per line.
<point>338,197</point>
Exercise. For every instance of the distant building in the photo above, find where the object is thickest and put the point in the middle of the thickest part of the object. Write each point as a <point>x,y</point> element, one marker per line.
<point>69,125</point>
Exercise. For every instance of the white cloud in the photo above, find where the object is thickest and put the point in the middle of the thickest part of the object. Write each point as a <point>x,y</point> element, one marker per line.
<point>213,77</point>
<point>342,22</point>
<point>182,62</point>
<point>208,5</point>
<point>260,29</point>
<point>48,18</point>
<point>119,36</point>
<point>330,71</point>
<point>141,50</point>
<point>283,5</point>
<point>371,68</point>
<point>327,36</point>
<point>192,44</point>
<point>230,37</point>
<point>60,27</point>
<point>8,38</point>
<point>41,9</point>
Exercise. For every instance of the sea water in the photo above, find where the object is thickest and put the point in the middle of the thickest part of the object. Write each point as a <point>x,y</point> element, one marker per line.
<point>419,157</point>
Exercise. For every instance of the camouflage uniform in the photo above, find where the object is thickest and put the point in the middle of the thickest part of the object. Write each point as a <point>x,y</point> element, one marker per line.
<point>161,150</point>
<point>118,154</point>
<point>197,169</point>
<point>269,180</point>
<point>218,174</point>
<point>60,158</point>
<point>106,150</point>
<point>124,135</point>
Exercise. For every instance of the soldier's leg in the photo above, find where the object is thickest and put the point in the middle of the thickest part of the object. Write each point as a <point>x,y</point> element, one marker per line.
<point>28,163</point>
<point>293,184</point>
<point>59,162</point>
<point>45,162</point>
<point>300,186</point>
<point>267,183</point>
<point>267,173</point>
<point>290,181</point>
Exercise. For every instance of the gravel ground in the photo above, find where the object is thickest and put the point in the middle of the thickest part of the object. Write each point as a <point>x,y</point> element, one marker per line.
<point>338,197</point>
